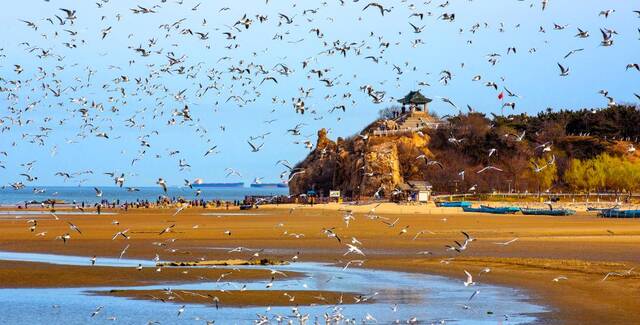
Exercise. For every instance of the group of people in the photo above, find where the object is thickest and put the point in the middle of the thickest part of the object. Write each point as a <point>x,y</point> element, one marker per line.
<point>137,204</point>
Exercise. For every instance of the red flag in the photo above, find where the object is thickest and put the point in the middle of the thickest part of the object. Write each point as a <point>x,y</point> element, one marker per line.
<point>501,95</point>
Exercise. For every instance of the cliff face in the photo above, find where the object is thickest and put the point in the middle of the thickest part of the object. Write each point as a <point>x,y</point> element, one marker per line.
<point>319,166</point>
<point>361,165</point>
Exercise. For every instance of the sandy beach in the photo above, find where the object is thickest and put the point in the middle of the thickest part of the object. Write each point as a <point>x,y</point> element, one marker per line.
<point>579,250</point>
<point>236,298</point>
<point>43,275</point>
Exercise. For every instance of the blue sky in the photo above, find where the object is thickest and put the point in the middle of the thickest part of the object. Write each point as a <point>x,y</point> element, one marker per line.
<point>534,76</point>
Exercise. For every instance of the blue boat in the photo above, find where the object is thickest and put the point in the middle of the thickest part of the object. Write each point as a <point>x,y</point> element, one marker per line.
<point>453,204</point>
<point>493,210</point>
<point>615,213</point>
<point>507,210</point>
<point>548,212</point>
<point>591,209</point>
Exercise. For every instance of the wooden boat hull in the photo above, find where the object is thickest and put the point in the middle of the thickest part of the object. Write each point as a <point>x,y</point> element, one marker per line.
<point>546,212</point>
<point>502,210</point>
<point>453,204</point>
<point>614,213</point>
<point>486,209</point>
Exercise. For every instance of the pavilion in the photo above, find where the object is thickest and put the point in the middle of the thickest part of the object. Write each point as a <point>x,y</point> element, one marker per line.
<point>415,101</point>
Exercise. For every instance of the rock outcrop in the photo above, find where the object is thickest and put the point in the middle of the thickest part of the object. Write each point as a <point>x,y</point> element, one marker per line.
<point>363,165</point>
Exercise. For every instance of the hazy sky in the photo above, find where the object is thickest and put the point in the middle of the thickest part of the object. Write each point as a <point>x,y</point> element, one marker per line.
<point>52,131</point>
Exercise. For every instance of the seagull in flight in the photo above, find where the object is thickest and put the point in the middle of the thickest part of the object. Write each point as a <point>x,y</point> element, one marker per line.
<point>627,272</point>
<point>563,71</point>
<point>255,148</point>
<point>277,272</point>
<point>353,249</point>
<point>448,101</point>
<point>391,224</point>
<point>166,230</point>
<point>508,242</point>
<point>96,312</point>
<point>162,183</point>
<point>65,237</point>
<point>417,29</point>
<point>422,232</point>
<point>210,151</point>
<point>377,5</point>
<point>573,52</point>
<point>469,280</point>
<point>74,227</point>
<point>231,172</point>
<point>488,168</point>
<point>121,233</point>
<point>123,251</point>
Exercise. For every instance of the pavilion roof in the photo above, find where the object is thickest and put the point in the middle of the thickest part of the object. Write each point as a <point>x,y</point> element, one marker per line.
<point>414,97</point>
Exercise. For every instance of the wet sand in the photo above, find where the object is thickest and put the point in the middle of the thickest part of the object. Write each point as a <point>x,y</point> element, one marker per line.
<point>43,275</point>
<point>583,298</point>
<point>236,298</point>
<point>582,248</point>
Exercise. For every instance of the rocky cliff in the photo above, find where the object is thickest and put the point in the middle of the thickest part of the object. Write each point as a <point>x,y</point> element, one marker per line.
<point>363,164</point>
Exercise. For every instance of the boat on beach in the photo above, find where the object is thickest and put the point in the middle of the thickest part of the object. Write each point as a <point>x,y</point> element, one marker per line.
<point>453,204</point>
<point>615,213</point>
<point>493,210</point>
<point>592,209</point>
<point>548,212</point>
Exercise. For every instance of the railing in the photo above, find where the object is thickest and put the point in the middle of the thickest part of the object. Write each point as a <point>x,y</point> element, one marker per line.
<point>541,194</point>
<point>425,125</point>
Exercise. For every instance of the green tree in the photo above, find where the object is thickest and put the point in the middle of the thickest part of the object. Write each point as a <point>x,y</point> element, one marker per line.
<point>604,172</point>
<point>575,176</point>
<point>547,176</point>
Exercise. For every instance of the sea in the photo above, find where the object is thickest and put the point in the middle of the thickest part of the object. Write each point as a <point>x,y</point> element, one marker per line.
<point>87,194</point>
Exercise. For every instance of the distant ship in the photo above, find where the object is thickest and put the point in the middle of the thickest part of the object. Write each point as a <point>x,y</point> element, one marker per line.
<point>219,185</point>
<point>269,185</point>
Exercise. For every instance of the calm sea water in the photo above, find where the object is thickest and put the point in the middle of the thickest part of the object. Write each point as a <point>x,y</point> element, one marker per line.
<point>88,195</point>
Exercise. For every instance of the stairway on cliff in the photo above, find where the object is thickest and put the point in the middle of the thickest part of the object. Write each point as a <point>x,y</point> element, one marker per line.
<point>414,120</point>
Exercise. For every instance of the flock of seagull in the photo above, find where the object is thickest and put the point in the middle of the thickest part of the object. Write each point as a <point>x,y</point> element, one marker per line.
<point>197,61</point>
<point>50,90</point>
